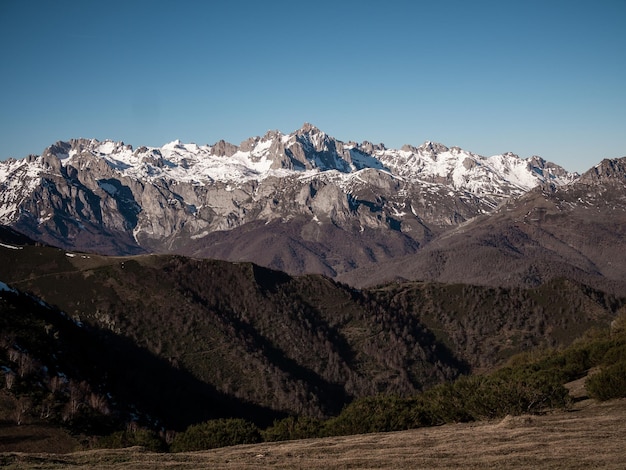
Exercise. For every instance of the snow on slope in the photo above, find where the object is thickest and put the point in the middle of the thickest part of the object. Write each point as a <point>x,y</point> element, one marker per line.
<point>303,154</point>
<point>17,179</point>
<point>467,171</point>
<point>429,162</point>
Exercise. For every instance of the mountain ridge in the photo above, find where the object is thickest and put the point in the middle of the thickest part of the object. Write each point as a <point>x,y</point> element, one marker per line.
<point>574,231</point>
<point>109,198</point>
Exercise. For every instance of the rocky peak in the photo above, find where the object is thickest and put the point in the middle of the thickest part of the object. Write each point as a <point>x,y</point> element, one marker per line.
<point>370,148</point>
<point>510,155</point>
<point>309,134</point>
<point>60,149</point>
<point>409,148</point>
<point>431,148</point>
<point>537,161</point>
<point>272,135</point>
<point>173,145</point>
<point>224,149</point>
<point>308,128</point>
<point>249,144</point>
<point>608,170</point>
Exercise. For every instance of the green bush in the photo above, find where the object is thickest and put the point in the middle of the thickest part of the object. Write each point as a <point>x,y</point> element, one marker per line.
<point>525,390</point>
<point>508,391</point>
<point>446,403</point>
<point>609,383</point>
<point>514,391</point>
<point>614,355</point>
<point>293,427</point>
<point>216,433</point>
<point>374,414</point>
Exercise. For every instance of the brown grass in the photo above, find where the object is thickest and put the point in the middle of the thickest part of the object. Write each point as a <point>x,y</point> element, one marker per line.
<point>591,435</point>
<point>31,438</point>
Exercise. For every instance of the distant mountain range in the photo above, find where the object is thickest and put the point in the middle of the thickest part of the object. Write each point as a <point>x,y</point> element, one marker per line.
<point>308,203</point>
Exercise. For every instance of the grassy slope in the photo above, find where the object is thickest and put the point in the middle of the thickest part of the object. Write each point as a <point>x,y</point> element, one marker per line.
<point>589,436</point>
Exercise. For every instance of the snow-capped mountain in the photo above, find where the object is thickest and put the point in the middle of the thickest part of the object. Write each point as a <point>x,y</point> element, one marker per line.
<point>575,231</point>
<point>108,197</point>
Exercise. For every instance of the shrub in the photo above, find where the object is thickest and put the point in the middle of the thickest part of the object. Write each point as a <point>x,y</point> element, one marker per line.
<point>216,433</point>
<point>609,383</point>
<point>298,427</point>
<point>374,414</point>
<point>615,354</point>
<point>514,391</point>
<point>525,390</point>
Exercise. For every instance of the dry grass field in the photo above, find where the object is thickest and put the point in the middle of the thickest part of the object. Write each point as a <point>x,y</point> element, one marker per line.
<point>590,435</point>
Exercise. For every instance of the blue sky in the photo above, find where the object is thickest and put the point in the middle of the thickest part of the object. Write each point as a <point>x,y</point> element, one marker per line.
<point>533,77</point>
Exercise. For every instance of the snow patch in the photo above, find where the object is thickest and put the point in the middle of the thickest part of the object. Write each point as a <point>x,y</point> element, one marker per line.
<point>107,147</point>
<point>6,288</point>
<point>11,247</point>
<point>199,235</point>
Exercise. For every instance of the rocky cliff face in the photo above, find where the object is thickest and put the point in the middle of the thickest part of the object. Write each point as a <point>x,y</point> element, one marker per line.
<point>309,191</point>
<point>576,231</point>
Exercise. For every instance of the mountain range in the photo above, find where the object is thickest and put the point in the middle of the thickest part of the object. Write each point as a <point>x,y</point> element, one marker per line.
<point>288,276</point>
<point>306,202</point>
<point>576,231</point>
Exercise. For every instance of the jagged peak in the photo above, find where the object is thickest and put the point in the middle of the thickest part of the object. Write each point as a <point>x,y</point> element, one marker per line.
<point>510,155</point>
<point>309,148</point>
<point>369,147</point>
<point>58,149</point>
<point>316,139</point>
<point>607,169</point>
<point>432,148</point>
<point>308,128</point>
<point>221,148</point>
<point>272,134</point>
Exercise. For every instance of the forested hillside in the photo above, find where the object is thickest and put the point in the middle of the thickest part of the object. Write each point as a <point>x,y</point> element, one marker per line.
<point>263,344</point>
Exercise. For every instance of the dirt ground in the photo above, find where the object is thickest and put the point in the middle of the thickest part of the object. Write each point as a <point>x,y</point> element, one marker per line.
<point>590,435</point>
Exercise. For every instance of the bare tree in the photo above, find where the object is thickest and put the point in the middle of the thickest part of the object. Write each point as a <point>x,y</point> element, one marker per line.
<point>99,403</point>
<point>14,354</point>
<point>77,397</point>
<point>132,427</point>
<point>24,404</point>
<point>9,378</point>
<point>47,406</point>
<point>26,364</point>
<point>56,383</point>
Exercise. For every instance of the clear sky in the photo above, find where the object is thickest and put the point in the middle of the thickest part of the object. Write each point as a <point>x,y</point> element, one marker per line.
<point>533,77</point>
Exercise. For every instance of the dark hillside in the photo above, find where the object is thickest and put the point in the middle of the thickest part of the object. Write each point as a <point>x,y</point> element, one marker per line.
<point>484,326</point>
<point>298,345</point>
<point>303,345</point>
<point>55,370</point>
<point>13,237</point>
